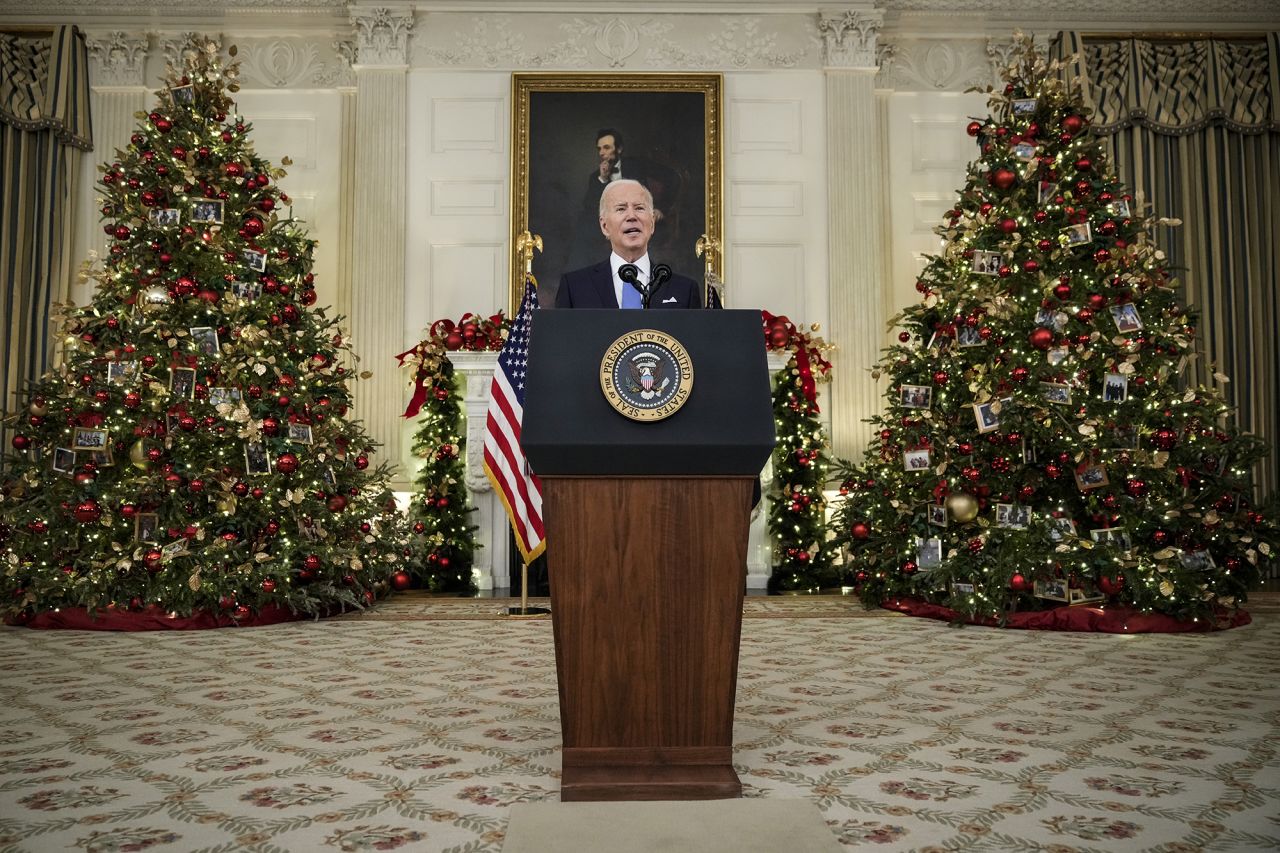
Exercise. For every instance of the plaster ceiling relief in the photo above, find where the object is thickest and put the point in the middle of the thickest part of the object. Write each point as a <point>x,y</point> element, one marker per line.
<point>947,66</point>
<point>624,42</point>
<point>738,43</point>
<point>293,64</point>
<point>493,42</point>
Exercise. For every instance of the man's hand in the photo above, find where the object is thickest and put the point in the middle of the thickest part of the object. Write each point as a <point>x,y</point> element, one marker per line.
<point>606,169</point>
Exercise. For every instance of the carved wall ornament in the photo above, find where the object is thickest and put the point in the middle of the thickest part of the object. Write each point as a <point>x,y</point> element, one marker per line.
<point>120,59</point>
<point>849,40</point>
<point>740,43</point>
<point>280,64</point>
<point>382,35</point>
<point>492,42</point>
<point>946,66</point>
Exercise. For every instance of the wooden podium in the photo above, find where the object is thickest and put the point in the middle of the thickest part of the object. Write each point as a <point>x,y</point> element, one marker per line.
<point>646,543</point>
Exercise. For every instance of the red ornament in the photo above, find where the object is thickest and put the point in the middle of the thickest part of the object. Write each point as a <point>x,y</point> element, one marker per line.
<point>337,503</point>
<point>941,377</point>
<point>87,512</point>
<point>1019,374</point>
<point>152,561</point>
<point>270,425</point>
<point>253,227</point>
<point>1003,178</point>
<point>1019,583</point>
<point>1041,338</point>
<point>860,530</point>
<point>308,297</point>
<point>287,463</point>
<point>973,128</point>
<point>1008,225</point>
<point>1062,291</point>
<point>20,442</point>
<point>1136,488</point>
<point>1111,586</point>
<point>268,585</point>
<point>401,581</point>
<point>1073,124</point>
<point>362,462</point>
<point>128,511</point>
<point>1165,439</point>
<point>312,562</point>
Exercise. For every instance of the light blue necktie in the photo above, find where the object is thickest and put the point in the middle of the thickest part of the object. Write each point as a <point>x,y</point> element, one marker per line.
<point>631,297</point>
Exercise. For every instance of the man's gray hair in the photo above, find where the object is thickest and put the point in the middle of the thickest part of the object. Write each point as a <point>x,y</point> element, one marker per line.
<point>621,182</point>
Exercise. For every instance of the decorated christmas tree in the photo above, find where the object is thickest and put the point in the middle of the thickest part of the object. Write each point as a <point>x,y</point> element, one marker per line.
<point>1041,443</point>
<point>191,453</point>
<point>802,554</point>
<point>438,512</point>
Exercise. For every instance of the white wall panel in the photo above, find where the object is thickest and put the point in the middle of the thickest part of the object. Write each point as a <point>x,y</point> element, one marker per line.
<point>468,198</point>
<point>776,194</point>
<point>292,124</point>
<point>929,153</point>
<point>766,124</point>
<point>763,267</point>
<point>467,124</point>
<point>766,198</point>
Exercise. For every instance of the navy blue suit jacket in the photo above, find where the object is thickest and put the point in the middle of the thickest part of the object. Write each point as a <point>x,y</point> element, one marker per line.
<point>592,287</point>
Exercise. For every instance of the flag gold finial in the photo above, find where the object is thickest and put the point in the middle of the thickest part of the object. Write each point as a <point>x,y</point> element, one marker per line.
<point>710,247</point>
<point>526,243</point>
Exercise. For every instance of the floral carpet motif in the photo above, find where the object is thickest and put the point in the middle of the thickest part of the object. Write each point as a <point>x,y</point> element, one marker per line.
<point>418,733</point>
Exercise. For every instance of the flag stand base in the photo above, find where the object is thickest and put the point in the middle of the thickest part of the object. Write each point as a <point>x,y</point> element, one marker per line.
<point>524,609</point>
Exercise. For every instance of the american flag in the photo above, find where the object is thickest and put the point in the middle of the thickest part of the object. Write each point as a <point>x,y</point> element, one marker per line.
<point>504,461</point>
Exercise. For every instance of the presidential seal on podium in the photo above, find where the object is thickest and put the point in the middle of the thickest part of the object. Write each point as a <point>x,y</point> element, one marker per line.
<point>646,375</point>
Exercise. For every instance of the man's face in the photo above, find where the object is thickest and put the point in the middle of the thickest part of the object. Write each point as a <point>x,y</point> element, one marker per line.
<point>627,220</point>
<point>607,150</point>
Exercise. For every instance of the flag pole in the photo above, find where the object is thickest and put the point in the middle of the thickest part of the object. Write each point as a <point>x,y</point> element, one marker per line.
<point>526,244</point>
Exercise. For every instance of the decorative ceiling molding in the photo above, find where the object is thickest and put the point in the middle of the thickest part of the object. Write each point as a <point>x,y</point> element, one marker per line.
<point>952,65</point>
<point>294,64</point>
<point>619,42</point>
<point>118,59</point>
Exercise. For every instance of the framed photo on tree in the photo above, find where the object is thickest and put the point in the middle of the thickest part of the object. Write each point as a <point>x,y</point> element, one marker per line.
<point>572,133</point>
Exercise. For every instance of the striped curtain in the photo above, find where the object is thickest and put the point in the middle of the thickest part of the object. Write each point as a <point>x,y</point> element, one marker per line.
<point>44,128</point>
<point>1194,129</point>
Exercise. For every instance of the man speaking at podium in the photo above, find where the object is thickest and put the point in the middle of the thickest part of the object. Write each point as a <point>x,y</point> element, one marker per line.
<point>627,220</point>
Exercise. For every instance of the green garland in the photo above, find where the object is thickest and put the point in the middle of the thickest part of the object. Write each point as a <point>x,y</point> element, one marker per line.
<point>802,556</point>
<point>438,513</point>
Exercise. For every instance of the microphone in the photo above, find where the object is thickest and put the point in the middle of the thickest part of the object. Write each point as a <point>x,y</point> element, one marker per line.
<point>630,274</point>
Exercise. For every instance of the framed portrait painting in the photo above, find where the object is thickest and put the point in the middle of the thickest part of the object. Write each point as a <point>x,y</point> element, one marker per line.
<point>574,133</point>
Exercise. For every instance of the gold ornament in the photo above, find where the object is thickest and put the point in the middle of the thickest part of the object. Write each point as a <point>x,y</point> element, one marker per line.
<point>963,507</point>
<point>138,455</point>
<point>40,409</point>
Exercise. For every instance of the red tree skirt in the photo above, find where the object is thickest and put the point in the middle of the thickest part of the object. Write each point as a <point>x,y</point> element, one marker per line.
<point>1110,620</point>
<point>154,619</point>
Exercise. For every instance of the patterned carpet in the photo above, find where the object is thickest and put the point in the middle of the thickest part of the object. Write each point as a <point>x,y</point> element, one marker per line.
<point>416,727</point>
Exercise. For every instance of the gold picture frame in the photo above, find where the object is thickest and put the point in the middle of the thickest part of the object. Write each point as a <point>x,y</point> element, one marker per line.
<point>671,121</point>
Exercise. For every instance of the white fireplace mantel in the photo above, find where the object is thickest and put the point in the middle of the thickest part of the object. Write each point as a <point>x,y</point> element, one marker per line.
<point>490,568</point>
